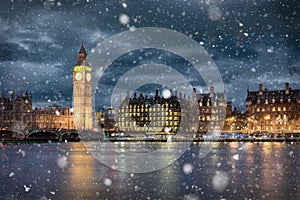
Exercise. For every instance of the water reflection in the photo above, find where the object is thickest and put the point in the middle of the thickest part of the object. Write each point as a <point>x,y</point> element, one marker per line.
<point>229,171</point>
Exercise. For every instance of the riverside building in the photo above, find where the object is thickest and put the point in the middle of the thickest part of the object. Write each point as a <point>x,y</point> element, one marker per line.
<point>273,111</point>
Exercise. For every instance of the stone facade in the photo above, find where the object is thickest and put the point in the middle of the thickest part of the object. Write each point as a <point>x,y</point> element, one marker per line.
<point>152,115</point>
<point>17,113</point>
<point>53,117</point>
<point>16,110</point>
<point>82,92</point>
<point>212,111</point>
<point>276,111</point>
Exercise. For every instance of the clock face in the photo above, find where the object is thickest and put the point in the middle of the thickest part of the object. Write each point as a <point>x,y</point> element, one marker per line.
<point>88,77</point>
<point>78,76</point>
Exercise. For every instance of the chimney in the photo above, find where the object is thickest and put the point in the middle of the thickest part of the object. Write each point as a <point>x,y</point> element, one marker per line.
<point>287,86</point>
<point>212,90</point>
<point>260,87</point>
<point>156,92</point>
<point>194,90</point>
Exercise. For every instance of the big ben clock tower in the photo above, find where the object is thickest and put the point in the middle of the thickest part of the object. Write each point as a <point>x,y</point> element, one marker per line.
<point>82,92</point>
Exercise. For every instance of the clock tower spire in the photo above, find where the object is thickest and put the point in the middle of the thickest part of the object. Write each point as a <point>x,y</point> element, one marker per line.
<point>82,92</point>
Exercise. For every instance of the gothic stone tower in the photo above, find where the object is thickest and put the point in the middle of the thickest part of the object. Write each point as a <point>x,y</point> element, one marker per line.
<point>82,92</point>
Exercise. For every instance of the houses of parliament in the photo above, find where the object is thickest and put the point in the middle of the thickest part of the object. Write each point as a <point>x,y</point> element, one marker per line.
<point>276,111</point>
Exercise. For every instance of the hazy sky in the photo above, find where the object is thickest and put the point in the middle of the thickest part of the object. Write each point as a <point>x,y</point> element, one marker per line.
<point>251,41</point>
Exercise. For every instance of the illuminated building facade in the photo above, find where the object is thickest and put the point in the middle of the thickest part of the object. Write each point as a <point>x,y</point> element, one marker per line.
<point>212,107</point>
<point>275,111</point>
<point>235,120</point>
<point>53,117</point>
<point>82,92</point>
<point>16,110</point>
<point>155,115</point>
<point>17,113</point>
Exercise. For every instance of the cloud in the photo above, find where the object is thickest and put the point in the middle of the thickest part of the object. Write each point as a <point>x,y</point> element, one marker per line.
<point>250,41</point>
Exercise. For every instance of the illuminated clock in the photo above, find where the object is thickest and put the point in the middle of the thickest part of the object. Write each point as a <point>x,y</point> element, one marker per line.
<point>78,76</point>
<point>88,77</point>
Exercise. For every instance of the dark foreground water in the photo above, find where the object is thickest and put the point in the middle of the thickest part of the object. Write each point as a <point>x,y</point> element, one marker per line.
<point>230,171</point>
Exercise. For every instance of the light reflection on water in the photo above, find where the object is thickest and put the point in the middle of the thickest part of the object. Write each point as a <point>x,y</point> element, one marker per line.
<point>254,170</point>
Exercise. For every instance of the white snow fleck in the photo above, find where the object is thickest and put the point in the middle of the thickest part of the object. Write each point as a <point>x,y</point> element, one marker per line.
<point>107,181</point>
<point>201,43</point>
<point>236,157</point>
<point>62,162</point>
<point>167,129</point>
<point>166,93</point>
<point>11,174</point>
<point>220,181</point>
<point>57,112</point>
<point>240,24</point>
<point>136,188</point>
<point>253,69</point>
<point>124,19</point>
<point>188,168</point>
<point>246,34</point>
<point>26,188</point>
<point>124,5</point>
<point>52,192</point>
<point>270,50</point>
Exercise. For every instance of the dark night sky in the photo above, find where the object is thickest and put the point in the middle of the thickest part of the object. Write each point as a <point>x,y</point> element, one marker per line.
<point>251,41</point>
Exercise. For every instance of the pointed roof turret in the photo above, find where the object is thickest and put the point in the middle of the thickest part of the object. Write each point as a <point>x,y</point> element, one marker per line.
<point>82,56</point>
<point>82,49</point>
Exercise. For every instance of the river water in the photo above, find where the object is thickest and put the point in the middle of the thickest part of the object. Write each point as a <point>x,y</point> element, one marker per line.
<point>232,170</point>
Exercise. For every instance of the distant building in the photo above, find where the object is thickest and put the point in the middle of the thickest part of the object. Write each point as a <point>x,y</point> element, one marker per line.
<point>53,117</point>
<point>235,120</point>
<point>200,113</point>
<point>154,115</point>
<point>17,113</point>
<point>212,110</point>
<point>110,119</point>
<point>16,110</point>
<point>276,111</point>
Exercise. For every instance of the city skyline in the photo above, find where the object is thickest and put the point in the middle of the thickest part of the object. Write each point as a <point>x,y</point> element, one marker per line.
<point>40,42</point>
